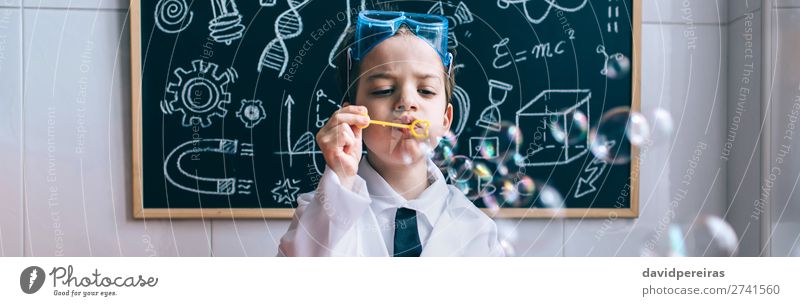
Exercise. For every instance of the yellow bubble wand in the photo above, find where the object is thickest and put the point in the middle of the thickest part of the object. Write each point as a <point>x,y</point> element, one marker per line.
<point>424,125</point>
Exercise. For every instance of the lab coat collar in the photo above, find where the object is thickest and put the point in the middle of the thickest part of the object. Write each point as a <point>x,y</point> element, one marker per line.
<point>430,202</point>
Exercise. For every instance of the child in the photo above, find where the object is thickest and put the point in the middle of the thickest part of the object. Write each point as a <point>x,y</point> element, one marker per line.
<point>394,201</point>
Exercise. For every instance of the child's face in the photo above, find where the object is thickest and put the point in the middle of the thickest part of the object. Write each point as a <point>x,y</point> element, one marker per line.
<point>402,79</point>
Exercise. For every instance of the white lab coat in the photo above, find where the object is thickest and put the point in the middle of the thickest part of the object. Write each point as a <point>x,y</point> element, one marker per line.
<point>334,221</point>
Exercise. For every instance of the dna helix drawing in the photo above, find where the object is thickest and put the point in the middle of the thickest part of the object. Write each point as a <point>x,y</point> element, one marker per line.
<point>268,3</point>
<point>287,26</point>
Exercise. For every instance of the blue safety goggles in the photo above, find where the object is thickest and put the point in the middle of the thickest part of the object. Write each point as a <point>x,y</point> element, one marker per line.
<point>375,26</point>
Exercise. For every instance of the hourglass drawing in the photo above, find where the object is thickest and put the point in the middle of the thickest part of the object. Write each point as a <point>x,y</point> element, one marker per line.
<point>490,116</point>
<point>288,25</point>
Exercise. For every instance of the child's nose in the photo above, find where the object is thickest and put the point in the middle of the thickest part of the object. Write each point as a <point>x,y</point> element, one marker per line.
<point>407,102</point>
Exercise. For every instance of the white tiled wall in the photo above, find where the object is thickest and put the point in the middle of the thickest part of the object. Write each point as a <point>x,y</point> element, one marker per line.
<point>11,132</point>
<point>711,12</point>
<point>10,3</point>
<point>93,218</point>
<point>76,4</point>
<point>684,74</point>
<point>744,108</point>
<point>77,142</point>
<point>785,211</point>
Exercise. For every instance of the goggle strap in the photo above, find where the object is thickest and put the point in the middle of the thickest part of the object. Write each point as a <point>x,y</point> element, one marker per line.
<point>450,62</point>
<point>349,61</point>
<point>349,66</point>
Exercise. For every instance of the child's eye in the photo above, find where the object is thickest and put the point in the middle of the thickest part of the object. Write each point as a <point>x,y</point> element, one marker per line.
<point>426,92</point>
<point>383,92</point>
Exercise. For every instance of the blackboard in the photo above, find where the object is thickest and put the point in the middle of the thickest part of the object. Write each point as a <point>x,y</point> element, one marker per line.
<point>227,96</point>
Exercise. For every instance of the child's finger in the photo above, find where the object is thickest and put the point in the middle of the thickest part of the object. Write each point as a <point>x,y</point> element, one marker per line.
<point>344,136</point>
<point>357,132</point>
<point>355,119</point>
<point>354,109</point>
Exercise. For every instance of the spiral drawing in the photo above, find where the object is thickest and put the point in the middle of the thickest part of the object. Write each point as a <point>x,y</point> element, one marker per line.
<point>171,15</point>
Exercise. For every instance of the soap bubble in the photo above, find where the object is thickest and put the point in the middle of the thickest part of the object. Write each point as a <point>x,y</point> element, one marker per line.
<point>507,234</point>
<point>520,191</point>
<point>482,170</point>
<point>468,189</point>
<point>638,130</point>
<point>501,146</point>
<point>720,236</point>
<point>449,139</point>
<point>442,155</point>
<point>490,204</point>
<point>511,164</point>
<point>504,195</point>
<point>476,185</point>
<point>507,229</point>
<point>708,236</point>
<point>487,149</point>
<point>508,248</point>
<point>617,66</point>
<point>547,196</point>
<point>569,127</point>
<point>425,148</point>
<point>406,158</point>
<point>608,141</point>
<point>662,125</point>
<point>460,169</point>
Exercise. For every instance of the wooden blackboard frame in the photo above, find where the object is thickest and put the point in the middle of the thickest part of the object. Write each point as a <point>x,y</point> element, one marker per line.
<point>139,212</point>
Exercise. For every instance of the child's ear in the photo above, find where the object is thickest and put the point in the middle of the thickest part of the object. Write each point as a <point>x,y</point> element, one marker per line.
<point>448,116</point>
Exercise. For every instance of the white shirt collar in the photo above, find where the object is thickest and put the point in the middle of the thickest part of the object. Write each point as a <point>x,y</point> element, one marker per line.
<point>430,203</point>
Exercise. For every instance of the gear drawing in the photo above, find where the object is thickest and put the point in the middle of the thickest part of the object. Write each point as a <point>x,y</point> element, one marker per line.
<point>251,113</point>
<point>199,93</point>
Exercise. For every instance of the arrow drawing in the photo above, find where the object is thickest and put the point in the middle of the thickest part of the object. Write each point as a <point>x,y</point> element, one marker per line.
<point>586,185</point>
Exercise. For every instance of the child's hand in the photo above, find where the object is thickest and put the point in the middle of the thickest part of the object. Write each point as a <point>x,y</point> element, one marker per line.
<point>340,141</point>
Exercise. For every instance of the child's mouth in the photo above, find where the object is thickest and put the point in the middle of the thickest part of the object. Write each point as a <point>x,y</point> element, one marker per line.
<point>405,119</point>
<point>405,132</point>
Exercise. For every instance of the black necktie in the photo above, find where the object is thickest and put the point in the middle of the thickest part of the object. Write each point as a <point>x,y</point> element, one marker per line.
<point>406,236</point>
